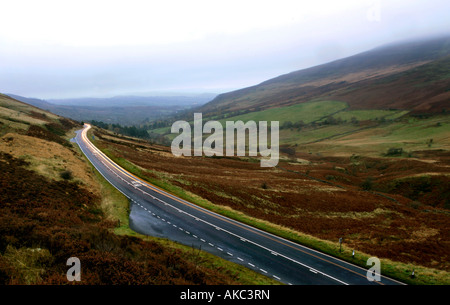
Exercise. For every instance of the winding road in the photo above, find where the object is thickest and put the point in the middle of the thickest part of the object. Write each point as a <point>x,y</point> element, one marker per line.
<point>158,213</point>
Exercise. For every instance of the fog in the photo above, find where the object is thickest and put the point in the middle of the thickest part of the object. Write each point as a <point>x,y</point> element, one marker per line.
<point>62,49</point>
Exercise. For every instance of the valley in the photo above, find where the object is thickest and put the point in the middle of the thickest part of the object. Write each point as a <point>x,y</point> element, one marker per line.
<point>363,172</point>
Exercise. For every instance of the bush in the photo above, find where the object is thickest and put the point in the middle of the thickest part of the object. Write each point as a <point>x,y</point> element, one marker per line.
<point>394,151</point>
<point>367,185</point>
<point>66,175</point>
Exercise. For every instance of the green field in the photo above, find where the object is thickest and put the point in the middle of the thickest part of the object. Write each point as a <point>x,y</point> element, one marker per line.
<point>362,115</point>
<point>306,112</point>
<point>359,131</point>
<point>410,134</point>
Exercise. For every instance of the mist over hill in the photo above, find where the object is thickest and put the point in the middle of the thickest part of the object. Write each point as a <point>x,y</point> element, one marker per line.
<point>411,75</point>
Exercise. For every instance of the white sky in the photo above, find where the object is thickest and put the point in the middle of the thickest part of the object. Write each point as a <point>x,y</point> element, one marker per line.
<point>53,49</point>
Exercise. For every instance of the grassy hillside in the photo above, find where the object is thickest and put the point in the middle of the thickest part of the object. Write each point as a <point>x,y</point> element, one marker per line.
<point>54,205</point>
<point>331,127</point>
<point>398,95</point>
<point>306,112</point>
<point>406,76</point>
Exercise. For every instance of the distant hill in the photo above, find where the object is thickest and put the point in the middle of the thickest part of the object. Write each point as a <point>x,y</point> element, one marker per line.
<point>133,100</point>
<point>411,75</point>
<point>124,110</point>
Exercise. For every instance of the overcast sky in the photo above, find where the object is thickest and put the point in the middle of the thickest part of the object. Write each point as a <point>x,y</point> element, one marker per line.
<point>58,49</point>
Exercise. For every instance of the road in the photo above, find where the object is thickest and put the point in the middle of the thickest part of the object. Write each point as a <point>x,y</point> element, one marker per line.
<point>157,213</point>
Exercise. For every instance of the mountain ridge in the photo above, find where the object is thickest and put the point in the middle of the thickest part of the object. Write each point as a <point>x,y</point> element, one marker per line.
<point>333,78</point>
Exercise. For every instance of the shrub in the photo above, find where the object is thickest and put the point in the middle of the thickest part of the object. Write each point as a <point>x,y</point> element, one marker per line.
<point>367,185</point>
<point>66,175</point>
<point>394,151</point>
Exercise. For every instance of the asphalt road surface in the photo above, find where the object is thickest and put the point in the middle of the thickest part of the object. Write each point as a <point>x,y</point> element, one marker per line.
<point>157,213</point>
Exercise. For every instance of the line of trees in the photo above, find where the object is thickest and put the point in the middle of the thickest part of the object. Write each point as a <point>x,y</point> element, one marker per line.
<point>142,132</point>
<point>132,131</point>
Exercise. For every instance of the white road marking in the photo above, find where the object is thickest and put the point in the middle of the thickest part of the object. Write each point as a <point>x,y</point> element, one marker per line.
<point>93,148</point>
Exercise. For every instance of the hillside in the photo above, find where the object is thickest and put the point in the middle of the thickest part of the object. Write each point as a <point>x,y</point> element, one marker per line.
<point>394,96</point>
<point>54,205</point>
<point>408,76</point>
